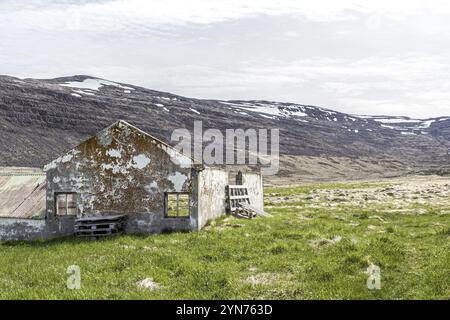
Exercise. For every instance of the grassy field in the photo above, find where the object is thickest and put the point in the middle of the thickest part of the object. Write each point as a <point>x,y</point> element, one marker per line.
<point>318,245</point>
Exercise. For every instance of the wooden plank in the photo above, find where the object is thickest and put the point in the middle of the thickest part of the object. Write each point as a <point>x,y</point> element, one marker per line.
<point>239,197</point>
<point>97,218</point>
<point>97,224</point>
<point>252,208</point>
<point>93,227</point>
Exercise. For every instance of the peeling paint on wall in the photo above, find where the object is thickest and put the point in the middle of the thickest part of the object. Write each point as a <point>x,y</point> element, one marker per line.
<point>178,158</point>
<point>114,153</point>
<point>140,161</point>
<point>178,181</point>
<point>63,159</point>
<point>152,187</point>
<point>104,138</point>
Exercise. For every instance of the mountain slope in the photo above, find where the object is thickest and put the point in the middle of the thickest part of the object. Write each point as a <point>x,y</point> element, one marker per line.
<point>39,119</point>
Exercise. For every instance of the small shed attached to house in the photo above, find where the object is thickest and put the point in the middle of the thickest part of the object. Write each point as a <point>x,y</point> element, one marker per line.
<point>123,170</point>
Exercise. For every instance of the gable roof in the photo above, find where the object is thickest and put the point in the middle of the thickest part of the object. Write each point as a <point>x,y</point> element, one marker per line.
<point>123,122</point>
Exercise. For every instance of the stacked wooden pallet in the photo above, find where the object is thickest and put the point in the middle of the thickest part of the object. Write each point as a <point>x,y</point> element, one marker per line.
<point>238,201</point>
<point>102,226</point>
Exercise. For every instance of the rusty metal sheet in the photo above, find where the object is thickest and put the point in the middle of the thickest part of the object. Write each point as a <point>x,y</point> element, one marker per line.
<point>22,192</point>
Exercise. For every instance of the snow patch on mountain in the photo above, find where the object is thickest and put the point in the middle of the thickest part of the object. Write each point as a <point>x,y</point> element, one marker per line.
<point>269,110</point>
<point>403,124</point>
<point>94,84</point>
<point>280,110</point>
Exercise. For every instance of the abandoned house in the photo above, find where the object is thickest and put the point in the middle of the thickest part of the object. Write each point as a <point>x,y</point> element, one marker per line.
<point>120,172</point>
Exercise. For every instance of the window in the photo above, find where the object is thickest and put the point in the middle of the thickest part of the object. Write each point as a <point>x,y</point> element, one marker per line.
<point>177,205</point>
<point>66,204</point>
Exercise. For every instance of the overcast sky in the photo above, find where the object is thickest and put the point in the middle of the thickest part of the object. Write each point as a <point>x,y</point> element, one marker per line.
<point>365,57</point>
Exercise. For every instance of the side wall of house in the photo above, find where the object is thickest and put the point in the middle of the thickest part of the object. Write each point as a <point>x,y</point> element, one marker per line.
<point>212,200</point>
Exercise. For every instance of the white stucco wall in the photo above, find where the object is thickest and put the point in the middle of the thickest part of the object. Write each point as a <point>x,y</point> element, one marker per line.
<point>211,199</point>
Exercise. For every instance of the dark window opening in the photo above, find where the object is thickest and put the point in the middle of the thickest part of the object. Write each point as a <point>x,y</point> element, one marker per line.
<point>177,205</point>
<point>66,204</point>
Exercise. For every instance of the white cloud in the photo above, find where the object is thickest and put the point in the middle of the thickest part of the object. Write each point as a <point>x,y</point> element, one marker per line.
<point>406,84</point>
<point>119,14</point>
<point>381,56</point>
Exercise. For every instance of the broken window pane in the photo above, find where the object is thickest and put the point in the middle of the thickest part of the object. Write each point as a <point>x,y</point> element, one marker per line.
<point>177,205</point>
<point>66,204</point>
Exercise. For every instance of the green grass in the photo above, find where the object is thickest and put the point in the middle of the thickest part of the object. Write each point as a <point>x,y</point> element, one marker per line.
<point>269,258</point>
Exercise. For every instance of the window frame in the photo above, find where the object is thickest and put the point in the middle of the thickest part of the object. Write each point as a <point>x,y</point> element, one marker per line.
<point>166,205</point>
<point>57,194</point>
